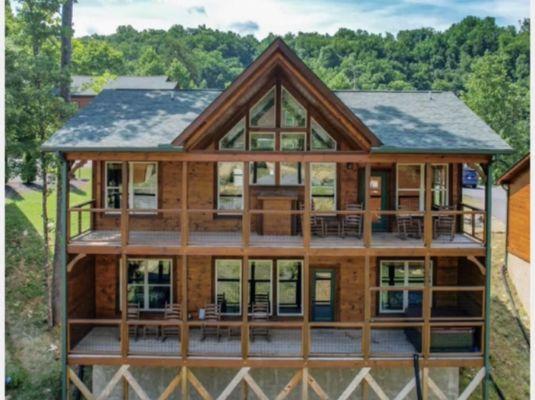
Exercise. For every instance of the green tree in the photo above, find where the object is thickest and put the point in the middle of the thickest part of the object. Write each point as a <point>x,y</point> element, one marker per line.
<point>150,63</point>
<point>179,73</point>
<point>95,57</point>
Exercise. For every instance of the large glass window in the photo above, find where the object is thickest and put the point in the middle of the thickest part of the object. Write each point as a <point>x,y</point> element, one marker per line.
<point>291,173</point>
<point>262,141</point>
<point>149,283</point>
<point>293,141</point>
<point>262,114</point>
<point>403,274</point>
<point>440,184</point>
<point>260,289</point>
<point>230,185</point>
<point>289,287</point>
<point>114,182</point>
<point>235,138</point>
<point>228,286</point>
<point>294,114</point>
<point>410,187</point>
<point>320,139</point>
<point>323,186</point>
<point>144,185</point>
<point>262,173</point>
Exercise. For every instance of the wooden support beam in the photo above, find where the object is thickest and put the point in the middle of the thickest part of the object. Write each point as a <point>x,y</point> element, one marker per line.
<point>124,204</point>
<point>246,219</point>
<point>467,392</point>
<point>254,387</point>
<point>199,388</point>
<point>184,217</point>
<point>428,217</point>
<point>304,384</point>
<point>426,305</point>
<point>404,393</point>
<point>435,389</point>
<point>480,171</point>
<point>317,388</point>
<point>74,261</point>
<point>184,330</point>
<point>135,385</point>
<point>290,385</point>
<point>123,267</point>
<point>375,387</point>
<point>305,334</point>
<point>106,392</point>
<point>478,264</point>
<point>308,207</point>
<point>425,383</point>
<point>245,308</point>
<point>346,394</point>
<point>80,385</point>
<point>367,205</point>
<point>233,383</point>
<point>171,387</point>
<point>366,334</point>
<point>184,380</point>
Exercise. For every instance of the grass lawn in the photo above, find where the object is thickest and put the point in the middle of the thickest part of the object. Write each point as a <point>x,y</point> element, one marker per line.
<point>32,350</point>
<point>32,354</point>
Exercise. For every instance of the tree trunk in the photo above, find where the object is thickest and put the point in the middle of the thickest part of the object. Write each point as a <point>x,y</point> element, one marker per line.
<point>46,241</point>
<point>66,53</point>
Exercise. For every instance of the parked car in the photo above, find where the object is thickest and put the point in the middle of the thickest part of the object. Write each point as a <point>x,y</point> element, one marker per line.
<point>469,177</point>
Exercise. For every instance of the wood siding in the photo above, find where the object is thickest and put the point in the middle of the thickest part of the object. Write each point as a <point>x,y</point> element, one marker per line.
<point>518,217</point>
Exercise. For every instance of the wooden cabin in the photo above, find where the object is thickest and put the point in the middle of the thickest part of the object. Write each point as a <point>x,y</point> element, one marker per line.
<point>276,226</point>
<point>516,180</point>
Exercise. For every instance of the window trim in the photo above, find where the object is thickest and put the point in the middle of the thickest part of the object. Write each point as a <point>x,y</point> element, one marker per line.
<point>312,122</point>
<point>301,263</point>
<point>268,92</point>
<point>420,191</point>
<point>251,167</point>
<point>131,186</point>
<point>106,187</point>
<point>303,133</point>
<point>447,189</point>
<point>299,166</point>
<point>282,125</point>
<point>253,133</point>
<point>244,148</point>
<point>406,282</point>
<point>219,188</point>
<point>216,286</point>
<point>335,183</point>
<point>270,282</point>
<point>146,282</point>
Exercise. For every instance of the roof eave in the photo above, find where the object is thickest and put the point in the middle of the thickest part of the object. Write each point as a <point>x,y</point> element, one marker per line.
<point>438,150</point>
<point>133,149</point>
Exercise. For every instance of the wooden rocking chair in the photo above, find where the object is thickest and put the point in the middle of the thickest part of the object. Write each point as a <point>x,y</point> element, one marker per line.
<point>133,314</point>
<point>260,313</point>
<point>172,312</point>
<point>212,314</point>
<point>352,224</point>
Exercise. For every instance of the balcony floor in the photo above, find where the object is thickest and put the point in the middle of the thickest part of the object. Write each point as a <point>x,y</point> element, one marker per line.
<point>234,239</point>
<point>283,343</point>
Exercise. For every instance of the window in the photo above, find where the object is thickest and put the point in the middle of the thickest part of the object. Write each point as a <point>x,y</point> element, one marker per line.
<point>114,181</point>
<point>289,287</point>
<point>142,185</point>
<point>262,141</point>
<point>440,184</point>
<point>229,186</point>
<point>228,286</point>
<point>410,186</point>
<point>323,186</point>
<point>402,274</point>
<point>149,283</point>
<point>262,173</point>
<point>320,139</point>
<point>293,114</point>
<point>235,138</point>
<point>260,290</point>
<point>291,141</point>
<point>291,173</point>
<point>262,114</point>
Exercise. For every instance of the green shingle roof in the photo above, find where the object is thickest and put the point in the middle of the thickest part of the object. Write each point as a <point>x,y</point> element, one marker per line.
<point>437,122</point>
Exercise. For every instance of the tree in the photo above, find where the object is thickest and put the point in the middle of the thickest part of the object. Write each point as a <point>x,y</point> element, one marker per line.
<point>150,63</point>
<point>179,73</point>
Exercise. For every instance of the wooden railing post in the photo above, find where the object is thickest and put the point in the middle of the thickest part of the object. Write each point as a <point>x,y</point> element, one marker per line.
<point>367,210</point>
<point>305,333</point>
<point>124,204</point>
<point>426,308</point>
<point>184,217</point>
<point>184,336</point>
<point>245,308</point>
<point>428,217</point>
<point>246,218</point>
<point>308,206</point>
<point>124,305</point>
<point>366,334</point>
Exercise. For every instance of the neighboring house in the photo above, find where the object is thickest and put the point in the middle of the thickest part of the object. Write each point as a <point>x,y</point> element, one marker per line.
<point>82,92</point>
<point>518,224</point>
<point>274,233</point>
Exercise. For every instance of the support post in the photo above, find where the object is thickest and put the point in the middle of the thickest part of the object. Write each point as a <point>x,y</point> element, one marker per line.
<point>306,212</point>
<point>184,224</point>
<point>124,305</point>
<point>367,309</point>
<point>488,276</point>
<point>245,308</point>
<point>305,334</point>
<point>62,227</point>
<point>184,332</point>
<point>428,218</point>
<point>426,308</point>
<point>367,210</point>
<point>124,204</point>
<point>246,218</point>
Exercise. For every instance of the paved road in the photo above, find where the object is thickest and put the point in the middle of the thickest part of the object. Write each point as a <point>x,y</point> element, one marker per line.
<point>499,200</point>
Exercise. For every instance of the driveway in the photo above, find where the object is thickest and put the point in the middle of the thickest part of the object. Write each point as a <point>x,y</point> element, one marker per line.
<point>499,200</point>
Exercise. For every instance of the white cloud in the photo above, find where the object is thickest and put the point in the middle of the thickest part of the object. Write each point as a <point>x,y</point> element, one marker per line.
<point>283,16</point>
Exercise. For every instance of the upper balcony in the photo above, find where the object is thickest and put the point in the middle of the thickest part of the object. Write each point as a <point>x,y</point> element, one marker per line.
<point>237,206</point>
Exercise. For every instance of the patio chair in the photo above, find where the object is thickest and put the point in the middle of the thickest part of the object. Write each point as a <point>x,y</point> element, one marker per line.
<point>212,314</point>
<point>444,224</point>
<point>317,224</point>
<point>260,313</point>
<point>172,312</point>
<point>408,226</point>
<point>133,314</point>
<point>352,224</point>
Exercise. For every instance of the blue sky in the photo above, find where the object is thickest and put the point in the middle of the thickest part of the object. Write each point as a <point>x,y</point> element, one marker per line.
<point>260,17</point>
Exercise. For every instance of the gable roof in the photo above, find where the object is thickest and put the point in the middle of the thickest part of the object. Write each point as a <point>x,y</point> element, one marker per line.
<point>512,173</point>
<point>277,56</point>
<point>80,84</point>
<point>437,122</point>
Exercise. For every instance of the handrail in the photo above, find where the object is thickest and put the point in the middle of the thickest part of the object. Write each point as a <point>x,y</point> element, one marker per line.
<point>472,207</point>
<point>83,203</point>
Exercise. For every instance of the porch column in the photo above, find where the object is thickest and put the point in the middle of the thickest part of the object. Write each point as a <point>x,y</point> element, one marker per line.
<point>305,334</point>
<point>367,309</point>
<point>306,212</point>
<point>62,248</point>
<point>184,224</point>
<point>488,276</point>
<point>124,204</point>
<point>123,267</point>
<point>246,218</point>
<point>184,332</point>
<point>428,218</point>
<point>245,307</point>
<point>367,210</point>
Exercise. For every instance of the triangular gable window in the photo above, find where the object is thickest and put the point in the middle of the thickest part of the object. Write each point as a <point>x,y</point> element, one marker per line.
<point>320,139</point>
<point>294,114</point>
<point>262,115</point>
<point>235,138</point>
